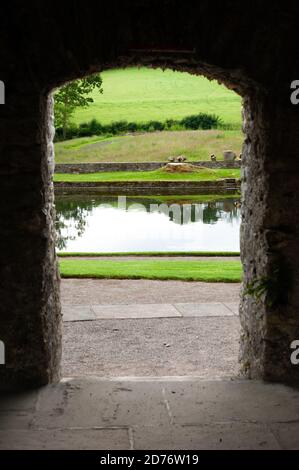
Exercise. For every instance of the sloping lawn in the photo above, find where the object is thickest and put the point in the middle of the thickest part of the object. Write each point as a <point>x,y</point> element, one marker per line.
<point>153,146</point>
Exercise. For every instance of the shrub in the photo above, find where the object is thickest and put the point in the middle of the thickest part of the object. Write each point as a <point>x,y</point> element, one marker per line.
<point>71,133</point>
<point>201,121</point>
<point>94,127</point>
<point>169,123</point>
<point>118,127</point>
<point>132,127</point>
<point>84,130</point>
<point>157,125</point>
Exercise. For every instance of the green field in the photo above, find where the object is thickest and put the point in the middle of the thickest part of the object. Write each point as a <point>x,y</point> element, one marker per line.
<point>205,174</point>
<point>205,271</point>
<point>153,146</point>
<point>143,94</point>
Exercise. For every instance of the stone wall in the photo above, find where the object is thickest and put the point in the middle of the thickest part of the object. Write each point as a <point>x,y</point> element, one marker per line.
<point>131,166</point>
<point>269,237</point>
<point>30,317</point>
<point>135,188</point>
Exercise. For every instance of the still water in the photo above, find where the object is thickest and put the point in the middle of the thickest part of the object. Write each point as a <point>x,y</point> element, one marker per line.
<point>172,223</point>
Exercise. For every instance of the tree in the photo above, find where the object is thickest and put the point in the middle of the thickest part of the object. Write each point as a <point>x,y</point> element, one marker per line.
<point>74,95</point>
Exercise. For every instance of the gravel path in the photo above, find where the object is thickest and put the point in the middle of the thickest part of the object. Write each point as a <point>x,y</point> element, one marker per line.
<point>205,347</point>
<point>115,291</point>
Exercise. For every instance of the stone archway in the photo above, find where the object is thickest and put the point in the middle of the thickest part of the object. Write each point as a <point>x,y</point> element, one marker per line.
<point>236,46</point>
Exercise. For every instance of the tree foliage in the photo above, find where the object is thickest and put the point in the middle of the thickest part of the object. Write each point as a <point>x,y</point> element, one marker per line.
<point>74,95</point>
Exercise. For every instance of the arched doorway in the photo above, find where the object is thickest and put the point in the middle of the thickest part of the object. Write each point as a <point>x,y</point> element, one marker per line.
<point>224,48</point>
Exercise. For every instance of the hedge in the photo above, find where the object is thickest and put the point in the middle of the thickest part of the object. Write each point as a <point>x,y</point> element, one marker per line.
<point>94,127</point>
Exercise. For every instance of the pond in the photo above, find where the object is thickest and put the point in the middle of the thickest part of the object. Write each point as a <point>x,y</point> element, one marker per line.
<point>106,224</point>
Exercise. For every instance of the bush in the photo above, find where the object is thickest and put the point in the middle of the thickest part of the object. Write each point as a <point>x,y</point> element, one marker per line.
<point>71,133</point>
<point>201,121</point>
<point>94,127</point>
<point>132,127</point>
<point>157,125</point>
<point>170,123</point>
<point>84,130</point>
<point>118,127</point>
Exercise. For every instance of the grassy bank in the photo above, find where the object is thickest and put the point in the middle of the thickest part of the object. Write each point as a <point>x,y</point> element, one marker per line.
<point>152,254</point>
<point>205,271</point>
<point>205,174</point>
<point>154,146</point>
<point>143,94</point>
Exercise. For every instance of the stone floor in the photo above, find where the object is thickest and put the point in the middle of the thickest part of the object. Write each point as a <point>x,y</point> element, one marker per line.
<point>151,414</point>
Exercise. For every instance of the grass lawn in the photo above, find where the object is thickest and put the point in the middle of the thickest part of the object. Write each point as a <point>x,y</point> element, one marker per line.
<point>153,146</point>
<point>205,174</point>
<point>205,271</point>
<point>143,94</point>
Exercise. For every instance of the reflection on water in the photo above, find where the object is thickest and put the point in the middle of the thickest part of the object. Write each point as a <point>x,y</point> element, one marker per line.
<point>112,224</point>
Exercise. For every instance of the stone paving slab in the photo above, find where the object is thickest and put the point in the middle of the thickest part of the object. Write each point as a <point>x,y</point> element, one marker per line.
<point>77,313</point>
<point>215,309</point>
<point>150,413</point>
<point>16,419</point>
<point>101,403</point>
<point>287,435</point>
<point>65,439</point>
<point>22,401</point>
<point>72,313</point>
<point>236,400</point>
<point>222,436</point>
<point>135,311</point>
<point>233,306</point>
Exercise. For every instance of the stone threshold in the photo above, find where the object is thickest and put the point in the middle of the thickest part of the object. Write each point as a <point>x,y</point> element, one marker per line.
<point>98,414</point>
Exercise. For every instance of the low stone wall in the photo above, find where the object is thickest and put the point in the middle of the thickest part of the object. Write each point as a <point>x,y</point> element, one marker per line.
<point>150,187</point>
<point>132,166</point>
